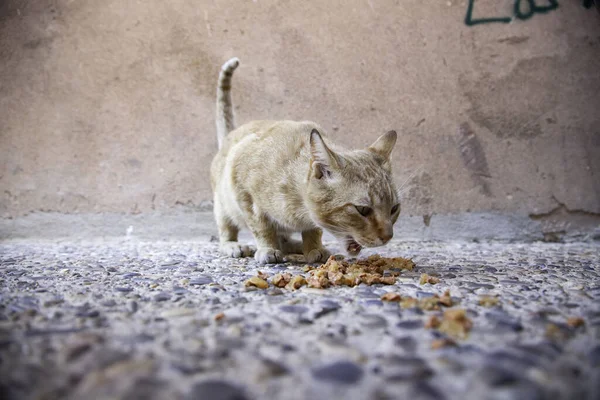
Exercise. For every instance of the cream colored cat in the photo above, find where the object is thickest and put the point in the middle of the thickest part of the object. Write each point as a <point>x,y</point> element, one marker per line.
<point>280,177</point>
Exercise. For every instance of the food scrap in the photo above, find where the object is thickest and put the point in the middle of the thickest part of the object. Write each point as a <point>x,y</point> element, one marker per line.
<point>456,323</point>
<point>318,279</point>
<point>445,342</point>
<point>433,322</point>
<point>428,303</point>
<point>219,316</point>
<point>409,302</point>
<point>488,301</point>
<point>255,281</point>
<point>575,322</point>
<point>425,278</point>
<point>446,299</point>
<point>262,275</point>
<point>281,280</point>
<point>296,283</point>
<point>395,263</point>
<point>391,297</point>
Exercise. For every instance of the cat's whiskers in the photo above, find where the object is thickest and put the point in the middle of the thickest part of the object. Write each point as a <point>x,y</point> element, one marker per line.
<point>334,229</point>
<point>341,231</point>
<point>403,187</point>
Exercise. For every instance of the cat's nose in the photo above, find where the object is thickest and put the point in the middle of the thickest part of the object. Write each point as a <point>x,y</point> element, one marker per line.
<point>386,237</point>
<point>385,232</point>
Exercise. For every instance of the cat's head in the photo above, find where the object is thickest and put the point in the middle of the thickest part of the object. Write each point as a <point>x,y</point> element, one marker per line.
<point>351,194</point>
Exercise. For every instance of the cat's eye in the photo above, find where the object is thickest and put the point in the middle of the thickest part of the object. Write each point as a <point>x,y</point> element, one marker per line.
<point>395,209</point>
<point>364,211</point>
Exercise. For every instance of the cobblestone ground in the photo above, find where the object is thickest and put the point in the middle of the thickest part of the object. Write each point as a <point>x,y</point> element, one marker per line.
<point>165,320</point>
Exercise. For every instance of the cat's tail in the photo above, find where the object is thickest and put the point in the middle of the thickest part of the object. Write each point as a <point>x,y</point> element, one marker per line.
<point>225,117</point>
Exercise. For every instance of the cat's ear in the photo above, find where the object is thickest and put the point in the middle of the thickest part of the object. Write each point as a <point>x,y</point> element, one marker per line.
<point>384,144</point>
<point>324,161</point>
<point>383,147</point>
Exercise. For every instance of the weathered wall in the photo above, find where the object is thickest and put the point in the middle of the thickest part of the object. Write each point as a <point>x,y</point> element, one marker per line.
<point>108,105</point>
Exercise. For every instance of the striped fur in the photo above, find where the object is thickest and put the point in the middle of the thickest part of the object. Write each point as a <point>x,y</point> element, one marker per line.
<point>225,118</point>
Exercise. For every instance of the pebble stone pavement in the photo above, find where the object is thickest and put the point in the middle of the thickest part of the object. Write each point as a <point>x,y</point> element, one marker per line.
<point>128,319</point>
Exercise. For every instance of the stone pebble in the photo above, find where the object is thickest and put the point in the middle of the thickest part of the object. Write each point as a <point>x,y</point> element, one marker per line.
<point>201,280</point>
<point>341,372</point>
<point>406,368</point>
<point>410,324</point>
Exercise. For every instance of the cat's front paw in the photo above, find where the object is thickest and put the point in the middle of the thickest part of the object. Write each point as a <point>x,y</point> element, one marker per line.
<point>267,255</point>
<point>317,255</point>
<point>235,250</point>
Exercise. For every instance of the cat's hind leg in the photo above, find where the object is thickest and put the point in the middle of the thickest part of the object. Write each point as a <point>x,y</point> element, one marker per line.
<point>289,245</point>
<point>264,230</point>
<point>228,236</point>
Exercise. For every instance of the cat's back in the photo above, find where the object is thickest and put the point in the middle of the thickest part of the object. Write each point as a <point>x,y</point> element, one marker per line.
<point>265,143</point>
<point>274,132</point>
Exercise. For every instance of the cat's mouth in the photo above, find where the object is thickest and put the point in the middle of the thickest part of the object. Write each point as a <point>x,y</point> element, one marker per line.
<point>352,246</point>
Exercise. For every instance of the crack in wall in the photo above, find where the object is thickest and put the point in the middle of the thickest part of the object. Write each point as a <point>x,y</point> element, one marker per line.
<point>561,221</point>
<point>561,210</point>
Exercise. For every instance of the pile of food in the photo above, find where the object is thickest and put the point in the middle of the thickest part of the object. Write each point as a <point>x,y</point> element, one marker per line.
<point>373,270</point>
<point>338,272</point>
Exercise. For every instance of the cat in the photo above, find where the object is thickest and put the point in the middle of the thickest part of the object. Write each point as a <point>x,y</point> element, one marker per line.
<point>281,177</point>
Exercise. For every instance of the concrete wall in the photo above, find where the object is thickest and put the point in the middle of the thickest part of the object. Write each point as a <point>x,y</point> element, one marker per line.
<point>107,106</point>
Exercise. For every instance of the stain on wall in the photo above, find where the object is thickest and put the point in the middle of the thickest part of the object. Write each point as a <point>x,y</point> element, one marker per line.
<point>515,105</point>
<point>473,157</point>
<point>420,192</point>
